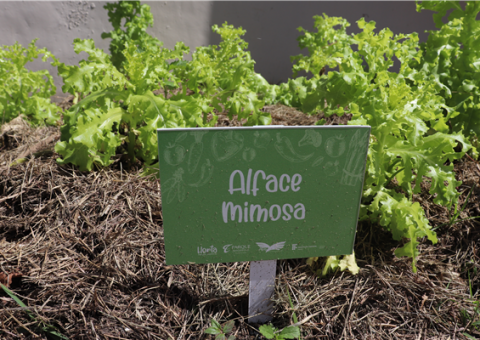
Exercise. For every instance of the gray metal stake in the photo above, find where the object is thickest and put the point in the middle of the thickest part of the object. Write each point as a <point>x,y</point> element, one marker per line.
<point>262,285</point>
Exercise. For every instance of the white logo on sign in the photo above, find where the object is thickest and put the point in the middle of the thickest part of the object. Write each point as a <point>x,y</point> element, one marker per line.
<point>241,248</point>
<point>267,248</point>
<point>225,248</point>
<point>207,251</point>
<point>295,246</point>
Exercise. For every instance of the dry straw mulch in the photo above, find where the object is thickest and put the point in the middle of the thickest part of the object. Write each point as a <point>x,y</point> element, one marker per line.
<point>85,253</point>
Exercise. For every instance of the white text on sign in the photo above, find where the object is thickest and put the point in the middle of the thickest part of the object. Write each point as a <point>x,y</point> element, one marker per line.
<point>255,212</point>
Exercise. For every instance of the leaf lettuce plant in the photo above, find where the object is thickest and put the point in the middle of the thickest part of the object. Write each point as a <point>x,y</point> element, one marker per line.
<point>452,56</point>
<point>411,144</point>
<point>119,103</point>
<point>23,91</point>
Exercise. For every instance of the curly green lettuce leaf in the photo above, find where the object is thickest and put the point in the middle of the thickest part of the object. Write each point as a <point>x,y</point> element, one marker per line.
<point>93,142</point>
<point>332,263</point>
<point>428,159</point>
<point>441,7</point>
<point>148,112</point>
<point>94,74</point>
<point>23,91</point>
<point>410,138</point>
<point>404,219</point>
<point>136,18</point>
<point>325,47</point>
<point>452,58</point>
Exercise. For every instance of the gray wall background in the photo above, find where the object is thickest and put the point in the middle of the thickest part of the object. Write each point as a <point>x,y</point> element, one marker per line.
<point>271,25</point>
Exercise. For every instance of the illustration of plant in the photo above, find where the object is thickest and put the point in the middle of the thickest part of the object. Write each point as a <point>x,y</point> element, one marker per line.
<point>335,146</point>
<point>195,151</point>
<point>311,137</point>
<point>226,144</point>
<point>261,140</point>
<point>175,187</point>
<point>284,147</point>
<point>206,173</point>
<point>175,153</point>
<point>248,154</point>
<point>331,168</point>
<point>352,172</point>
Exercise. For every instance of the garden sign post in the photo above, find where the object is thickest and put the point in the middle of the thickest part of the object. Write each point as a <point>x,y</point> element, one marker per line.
<point>260,194</point>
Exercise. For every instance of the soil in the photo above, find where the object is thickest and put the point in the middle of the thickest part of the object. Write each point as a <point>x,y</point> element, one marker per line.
<point>85,254</point>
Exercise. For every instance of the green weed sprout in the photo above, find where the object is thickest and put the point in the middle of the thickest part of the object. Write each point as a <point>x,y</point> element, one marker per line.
<point>50,331</point>
<point>221,331</point>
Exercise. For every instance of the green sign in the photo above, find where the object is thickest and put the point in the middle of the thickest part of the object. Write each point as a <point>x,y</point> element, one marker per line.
<point>260,193</point>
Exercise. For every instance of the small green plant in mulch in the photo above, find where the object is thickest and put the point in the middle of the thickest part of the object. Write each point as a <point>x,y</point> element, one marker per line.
<point>454,217</point>
<point>221,331</point>
<point>270,332</point>
<point>50,331</point>
<point>471,321</point>
<point>290,332</point>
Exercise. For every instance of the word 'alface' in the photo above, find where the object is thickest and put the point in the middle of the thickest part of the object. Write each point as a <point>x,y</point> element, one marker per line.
<point>285,183</point>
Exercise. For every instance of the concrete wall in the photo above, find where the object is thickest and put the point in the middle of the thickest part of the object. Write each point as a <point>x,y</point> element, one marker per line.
<point>271,25</point>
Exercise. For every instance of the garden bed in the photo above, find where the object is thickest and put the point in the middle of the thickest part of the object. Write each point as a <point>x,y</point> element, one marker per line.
<point>85,253</point>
